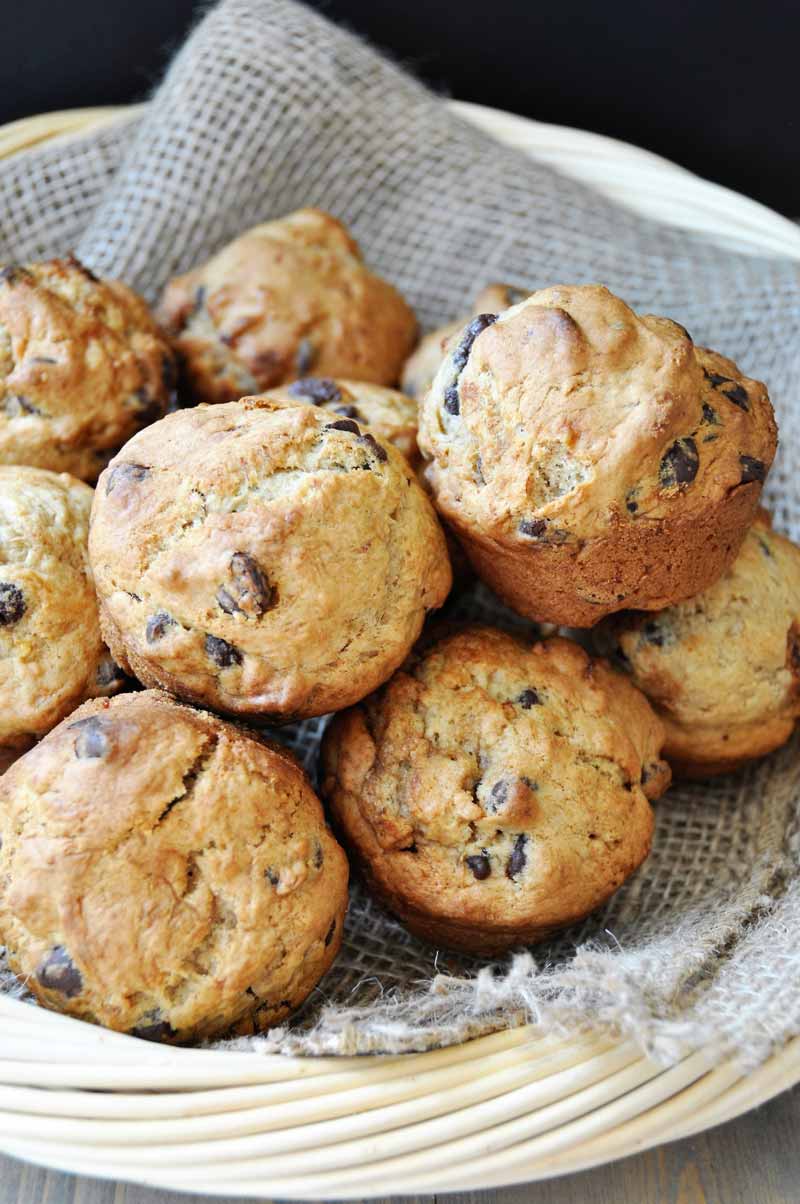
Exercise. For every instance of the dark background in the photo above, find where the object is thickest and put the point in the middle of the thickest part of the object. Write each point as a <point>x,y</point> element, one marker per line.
<point>712,84</point>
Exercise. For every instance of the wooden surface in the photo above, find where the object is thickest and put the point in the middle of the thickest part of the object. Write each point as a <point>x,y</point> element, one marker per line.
<point>752,1160</point>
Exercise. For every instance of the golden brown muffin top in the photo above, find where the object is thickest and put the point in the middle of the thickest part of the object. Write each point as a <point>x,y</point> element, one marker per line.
<point>51,654</point>
<point>83,366</point>
<point>264,559</point>
<point>166,873</point>
<point>723,669</point>
<point>286,299</point>
<point>497,783</point>
<point>570,415</point>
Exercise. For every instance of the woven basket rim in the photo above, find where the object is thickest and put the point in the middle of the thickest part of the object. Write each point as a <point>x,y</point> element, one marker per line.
<point>511,1107</point>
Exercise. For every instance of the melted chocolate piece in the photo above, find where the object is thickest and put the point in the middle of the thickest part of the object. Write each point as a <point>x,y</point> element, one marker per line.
<point>59,973</point>
<point>317,389</point>
<point>12,603</point>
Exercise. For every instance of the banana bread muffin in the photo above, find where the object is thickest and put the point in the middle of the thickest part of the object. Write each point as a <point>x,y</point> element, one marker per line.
<point>422,365</point>
<point>166,874</point>
<point>51,654</point>
<point>494,791</point>
<point>723,669</point>
<point>83,366</point>
<point>389,414</point>
<point>264,560</point>
<point>286,299</point>
<point>592,460</point>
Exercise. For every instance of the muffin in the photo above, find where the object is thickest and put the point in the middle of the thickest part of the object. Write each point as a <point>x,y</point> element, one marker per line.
<point>166,874</point>
<point>495,791</point>
<point>389,414</point>
<point>284,300</point>
<point>51,654</point>
<point>422,365</point>
<point>264,560</point>
<point>83,366</point>
<point>723,669</point>
<point>591,460</point>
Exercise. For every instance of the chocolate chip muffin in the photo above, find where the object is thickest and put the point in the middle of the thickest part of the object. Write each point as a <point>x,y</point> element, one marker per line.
<point>494,791</point>
<point>83,366</point>
<point>166,874</point>
<point>389,414</point>
<point>264,560</point>
<point>723,669</point>
<point>51,654</point>
<point>287,299</point>
<point>592,460</point>
<point>422,365</point>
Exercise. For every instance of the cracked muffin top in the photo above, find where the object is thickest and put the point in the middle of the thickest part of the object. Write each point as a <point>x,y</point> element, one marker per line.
<point>571,414</point>
<point>286,299</point>
<point>388,413</point>
<point>423,363</point>
<point>83,366</point>
<point>165,873</point>
<point>723,669</point>
<point>52,656</point>
<point>493,790</point>
<point>264,560</point>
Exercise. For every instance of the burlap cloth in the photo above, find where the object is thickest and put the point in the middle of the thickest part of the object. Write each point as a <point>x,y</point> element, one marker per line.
<point>268,107</point>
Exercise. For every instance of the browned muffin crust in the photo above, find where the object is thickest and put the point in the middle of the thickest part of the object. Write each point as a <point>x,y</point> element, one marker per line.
<point>83,366</point>
<point>592,460</point>
<point>166,874</point>
<point>287,299</point>
<point>494,791</point>
<point>264,560</point>
<point>722,670</point>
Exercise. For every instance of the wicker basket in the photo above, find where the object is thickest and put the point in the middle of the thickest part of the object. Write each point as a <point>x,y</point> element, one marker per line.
<point>514,1106</point>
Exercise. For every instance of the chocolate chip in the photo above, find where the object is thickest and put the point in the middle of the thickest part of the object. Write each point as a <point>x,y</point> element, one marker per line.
<point>752,469</point>
<point>221,652</point>
<point>271,876</point>
<point>157,626</point>
<point>91,742</point>
<point>480,865</point>
<point>199,297</point>
<point>793,649</point>
<point>17,406</point>
<point>631,505</point>
<point>478,324</point>
<point>518,859</point>
<point>738,395</point>
<point>12,603</point>
<point>452,404</point>
<point>306,354</point>
<point>653,634</point>
<point>154,1028</point>
<point>108,673</point>
<point>126,474</point>
<point>680,464</point>
<point>533,528</point>
<point>59,973</point>
<point>317,389</point>
<point>248,591</point>
<point>318,856</point>
<point>344,424</point>
<point>372,443</point>
<point>476,327</point>
<point>348,412</point>
<point>329,934</point>
<point>715,380</point>
<point>710,415</point>
<point>498,795</point>
<point>529,698</point>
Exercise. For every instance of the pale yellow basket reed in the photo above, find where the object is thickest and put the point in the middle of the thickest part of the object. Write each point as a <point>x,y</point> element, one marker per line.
<point>511,1107</point>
